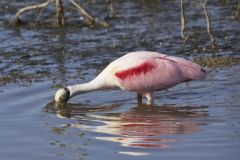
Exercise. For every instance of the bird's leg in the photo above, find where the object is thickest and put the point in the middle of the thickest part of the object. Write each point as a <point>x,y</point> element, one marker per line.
<point>149,97</point>
<point>139,98</point>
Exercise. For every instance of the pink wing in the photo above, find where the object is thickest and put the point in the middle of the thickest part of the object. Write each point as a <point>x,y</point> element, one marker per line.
<point>158,73</point>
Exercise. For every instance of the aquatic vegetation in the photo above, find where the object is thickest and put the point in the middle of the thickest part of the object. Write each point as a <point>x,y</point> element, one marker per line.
<point>218,61</point>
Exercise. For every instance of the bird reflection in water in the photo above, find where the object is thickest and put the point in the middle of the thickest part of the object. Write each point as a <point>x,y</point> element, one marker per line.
<point>142,126</point>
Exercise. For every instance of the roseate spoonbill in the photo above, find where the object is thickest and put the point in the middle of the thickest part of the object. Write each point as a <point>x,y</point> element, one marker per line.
<point>143,72</point>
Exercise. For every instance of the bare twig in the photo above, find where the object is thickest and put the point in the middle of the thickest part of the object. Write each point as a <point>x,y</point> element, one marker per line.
<point>40,14</point>
<point>183,21</point>
<point>59,13</point>
<point>208,25</point>
<point>82,10</point>
<point>36,6</point>
<point>110,8</point>
<point>238,8</point>
<point>89,17</point>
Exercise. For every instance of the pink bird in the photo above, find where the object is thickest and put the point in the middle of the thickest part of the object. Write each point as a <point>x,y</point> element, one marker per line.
<point>143,72</point>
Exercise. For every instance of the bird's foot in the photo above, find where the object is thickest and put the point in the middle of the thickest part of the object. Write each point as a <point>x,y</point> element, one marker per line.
<point>149,97</point>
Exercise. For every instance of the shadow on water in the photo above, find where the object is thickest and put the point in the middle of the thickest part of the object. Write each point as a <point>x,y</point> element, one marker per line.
<point>142,126</point>
<point>71,110</point>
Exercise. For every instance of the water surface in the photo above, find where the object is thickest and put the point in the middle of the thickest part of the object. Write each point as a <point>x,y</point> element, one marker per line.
<point>196,120</point>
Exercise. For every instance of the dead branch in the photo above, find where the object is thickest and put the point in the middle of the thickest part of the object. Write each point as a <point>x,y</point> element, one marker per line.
<point>238,9</point>
<point>183,21</point>
<point>86,14</point>
<point>36,6</point>
<point>110,8</point>
<point>208,24</point>
<point>59,12</point>
<point>40,14</point>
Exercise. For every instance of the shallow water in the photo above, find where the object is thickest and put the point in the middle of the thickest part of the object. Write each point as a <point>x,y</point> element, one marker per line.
<point>196,120</point>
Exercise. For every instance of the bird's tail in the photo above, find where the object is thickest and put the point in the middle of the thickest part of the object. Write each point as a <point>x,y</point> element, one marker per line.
<point>197,72</point>
<point>190,70</point>
<point>193,70</point>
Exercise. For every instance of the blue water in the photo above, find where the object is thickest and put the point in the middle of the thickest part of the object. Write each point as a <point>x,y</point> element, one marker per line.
<point>196,120</point>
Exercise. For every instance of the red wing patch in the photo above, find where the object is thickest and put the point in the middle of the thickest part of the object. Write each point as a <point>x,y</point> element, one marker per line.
<point>142,68</point>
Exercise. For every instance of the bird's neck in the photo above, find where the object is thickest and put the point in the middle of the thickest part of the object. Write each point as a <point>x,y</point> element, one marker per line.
<point>86,87</point>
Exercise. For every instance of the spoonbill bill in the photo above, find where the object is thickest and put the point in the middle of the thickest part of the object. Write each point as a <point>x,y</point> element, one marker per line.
<point>142,72</point>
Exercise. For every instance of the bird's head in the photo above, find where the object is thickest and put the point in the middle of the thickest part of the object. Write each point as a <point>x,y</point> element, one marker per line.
<point>62,95</point>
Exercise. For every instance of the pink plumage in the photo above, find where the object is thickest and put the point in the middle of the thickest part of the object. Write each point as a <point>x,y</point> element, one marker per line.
<point>143,72</point>
<point>147,72</point>
<point>135,71</point>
